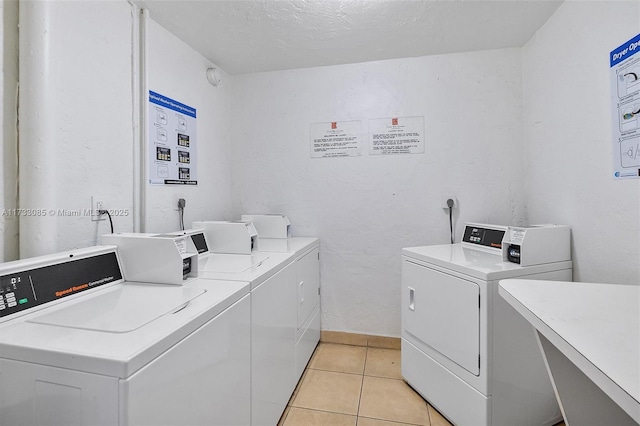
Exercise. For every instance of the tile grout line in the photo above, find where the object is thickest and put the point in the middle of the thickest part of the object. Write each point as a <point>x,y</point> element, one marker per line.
<point>289,406</point>
<point>324,411</point>
<point>364,367</point>
<point>337,372</point>
<point>309,367</point>
<point>401,379</point>
<point>392,421</point>
<point>360,396</point>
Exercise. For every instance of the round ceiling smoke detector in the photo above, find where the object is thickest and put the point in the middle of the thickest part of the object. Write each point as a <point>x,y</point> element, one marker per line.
<point>212,76</point>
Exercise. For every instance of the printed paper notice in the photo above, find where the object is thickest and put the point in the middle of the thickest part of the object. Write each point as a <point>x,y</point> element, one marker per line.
<point>625,101</point>
<point>336,139</point>
<point>172,142</point>
<point>397,135</point>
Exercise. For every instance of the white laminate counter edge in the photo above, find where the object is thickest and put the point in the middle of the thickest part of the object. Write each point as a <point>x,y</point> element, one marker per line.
<point>629,402</point>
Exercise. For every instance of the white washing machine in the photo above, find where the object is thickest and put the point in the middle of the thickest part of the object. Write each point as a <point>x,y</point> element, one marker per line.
<point>285,310</point>
<point>464,349</point>
<point>79,345</point>
<point>306,251</point>
<point>271,278</point>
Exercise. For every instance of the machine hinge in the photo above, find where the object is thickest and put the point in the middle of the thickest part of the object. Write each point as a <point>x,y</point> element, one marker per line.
<point>318,255</point>
<point>478,301</point>
<point>318,291</point>
<point>478,361</point>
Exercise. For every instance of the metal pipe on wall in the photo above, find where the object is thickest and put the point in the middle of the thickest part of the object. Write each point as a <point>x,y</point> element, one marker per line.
<point>139,99</point>
<point>9,130</point>
<point>37,162</point>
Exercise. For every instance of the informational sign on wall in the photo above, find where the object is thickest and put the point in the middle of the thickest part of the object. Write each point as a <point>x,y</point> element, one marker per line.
<point>336,139</point>
<point>396,135</point>
<point>625,100</point>
<point>172,142</point>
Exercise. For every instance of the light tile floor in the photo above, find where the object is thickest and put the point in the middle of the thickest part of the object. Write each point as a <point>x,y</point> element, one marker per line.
<point>357,385</point>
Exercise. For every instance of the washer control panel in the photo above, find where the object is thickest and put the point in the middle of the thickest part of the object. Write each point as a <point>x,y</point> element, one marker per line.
<point>29,288</point>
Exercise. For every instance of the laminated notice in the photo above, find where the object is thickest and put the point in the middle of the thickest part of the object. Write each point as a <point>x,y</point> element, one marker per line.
<point>396,135</point>
<point>335,139</point>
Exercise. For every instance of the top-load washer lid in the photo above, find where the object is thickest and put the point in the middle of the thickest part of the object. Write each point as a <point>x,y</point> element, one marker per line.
<point>120,309</point>
<point>296,245</point>
<point>252,268</point>
<point>230,263</point>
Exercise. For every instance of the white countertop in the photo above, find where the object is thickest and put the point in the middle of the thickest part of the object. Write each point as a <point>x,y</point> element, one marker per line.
<point>596,326</point>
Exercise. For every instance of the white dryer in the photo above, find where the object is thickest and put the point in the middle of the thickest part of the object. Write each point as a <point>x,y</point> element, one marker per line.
<point>464,349</point>
<point>83,346</point>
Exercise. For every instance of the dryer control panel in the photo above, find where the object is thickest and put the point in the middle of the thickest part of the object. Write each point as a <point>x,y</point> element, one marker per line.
<point>25,289</point>
<point>484,236</point>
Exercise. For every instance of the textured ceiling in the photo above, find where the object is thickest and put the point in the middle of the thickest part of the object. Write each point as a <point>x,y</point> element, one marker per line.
<point>253,36</point>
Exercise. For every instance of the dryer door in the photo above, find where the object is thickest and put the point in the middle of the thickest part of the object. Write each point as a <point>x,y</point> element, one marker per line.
<point>442,311</point>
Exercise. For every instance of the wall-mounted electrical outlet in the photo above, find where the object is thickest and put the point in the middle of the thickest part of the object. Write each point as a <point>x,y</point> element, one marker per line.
<point>449,201</point>
<point>97,203</point>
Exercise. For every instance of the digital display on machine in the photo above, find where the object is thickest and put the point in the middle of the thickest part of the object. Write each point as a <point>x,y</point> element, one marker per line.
<point>483,236</point>
<point>26,289</point>
<point>200,243</point>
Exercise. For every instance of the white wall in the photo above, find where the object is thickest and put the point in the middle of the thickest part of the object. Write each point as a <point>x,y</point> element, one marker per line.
<point>93,136</point>
<point>253,138</point>
<point>177,71</point>
<point>366,209</point>
<point>568,137</point>
<point>94,117</point>
<point>8,115</point>
<point>89,80</point>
